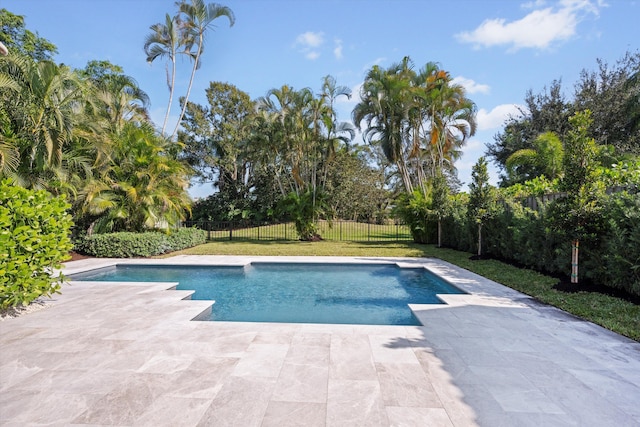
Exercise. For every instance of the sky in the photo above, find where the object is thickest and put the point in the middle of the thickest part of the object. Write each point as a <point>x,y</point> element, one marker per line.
<point>497,49</point>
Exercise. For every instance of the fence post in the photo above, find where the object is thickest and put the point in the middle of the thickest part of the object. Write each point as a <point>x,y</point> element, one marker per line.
<point>341,231</point>
<point>230,230</point>
<point>368,231</point>
<point>209,229</point>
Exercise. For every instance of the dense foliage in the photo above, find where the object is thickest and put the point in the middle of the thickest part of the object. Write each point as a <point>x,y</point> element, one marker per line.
<point>609,252</point>
<point>611,93</point>
<point>128,245</point>
<point>421,119</point>
<point>34,240</point>
<point>85,134</point>
<point>591,210</point>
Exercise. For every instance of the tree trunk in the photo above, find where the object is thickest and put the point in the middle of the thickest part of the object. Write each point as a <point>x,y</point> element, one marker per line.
<point>186,98</point>
<point>574,261</point>
<point>479,239</point>
<point>439,233</point>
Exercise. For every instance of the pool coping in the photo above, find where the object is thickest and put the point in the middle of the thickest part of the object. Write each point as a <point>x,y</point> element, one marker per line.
<point>402,263</point>
<point>129,355</point>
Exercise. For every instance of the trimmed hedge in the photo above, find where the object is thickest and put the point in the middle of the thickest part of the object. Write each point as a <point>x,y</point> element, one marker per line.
<point>609,253</point>
<point>128,245</point>
<point>34,240</point>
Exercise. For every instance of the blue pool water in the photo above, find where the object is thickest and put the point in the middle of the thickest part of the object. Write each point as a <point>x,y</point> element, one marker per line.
<point>297,293</point>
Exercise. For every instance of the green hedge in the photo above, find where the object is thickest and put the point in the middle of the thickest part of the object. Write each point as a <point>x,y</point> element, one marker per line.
<point>609,254</point>
<point>34,240</point>
<point>127,245</point>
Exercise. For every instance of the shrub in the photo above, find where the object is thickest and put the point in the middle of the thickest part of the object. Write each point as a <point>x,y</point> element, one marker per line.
<point>416,211</point>
<point>34,240</point>
<point>127,244</point>
<point>620,254</point>
<point>186,238</point>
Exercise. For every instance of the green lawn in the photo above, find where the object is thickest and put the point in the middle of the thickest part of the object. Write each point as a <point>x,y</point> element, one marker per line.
<point>612,313</point>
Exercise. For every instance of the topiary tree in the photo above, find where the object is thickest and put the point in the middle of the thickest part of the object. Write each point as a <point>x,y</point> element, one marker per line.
<point>577,214</point>
<point>482,198</point>
<point>441,205</point>
<point>34,240</point>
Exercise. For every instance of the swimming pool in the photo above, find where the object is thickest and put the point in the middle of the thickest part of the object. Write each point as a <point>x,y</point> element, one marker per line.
<point>297,292</point>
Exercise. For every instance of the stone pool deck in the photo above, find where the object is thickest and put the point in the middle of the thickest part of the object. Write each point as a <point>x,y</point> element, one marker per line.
<point>128,354</point>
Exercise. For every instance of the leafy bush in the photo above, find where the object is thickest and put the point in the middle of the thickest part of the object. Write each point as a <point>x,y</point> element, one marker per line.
<point>186,238</point>
<point>609,247</point>
<point>416,211</point>
<point>34,240</point>
<point>619,265</point>
<point>127,245</point>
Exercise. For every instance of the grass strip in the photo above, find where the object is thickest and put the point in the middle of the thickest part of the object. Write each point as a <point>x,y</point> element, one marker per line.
<point>613,313</point>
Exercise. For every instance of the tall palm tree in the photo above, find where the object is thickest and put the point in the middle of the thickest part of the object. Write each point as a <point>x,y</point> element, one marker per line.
<point>288,111</point>
<point>336,133</point>
<point>386,96</point>
<point>197,18</point>
<point>448,116</point>
<point>166,41</point>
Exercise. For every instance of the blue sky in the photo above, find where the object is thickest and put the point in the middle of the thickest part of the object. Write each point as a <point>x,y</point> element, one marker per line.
<point>497,49</point>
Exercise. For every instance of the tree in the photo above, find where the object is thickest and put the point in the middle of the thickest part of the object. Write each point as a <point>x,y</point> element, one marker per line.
<point>19,40</point>
<point>481,198</point>
<point>114,97</point>
<point>441,206</point>
<point>545,158</point>
<point>304,209</point>
<point>384,108</point>
<point>545,112</point>
<point>356,189</point>
<point>215,137</point>
<point>421,120</point>
<point>578,213</point>
<point>337,133</point>
<point>196,20</point>
<point>143,187</point>
<point>166,41</point>
<point>610,93</point>
<point>298,138</point>
<point>40,103</point>
<point>446,118</point>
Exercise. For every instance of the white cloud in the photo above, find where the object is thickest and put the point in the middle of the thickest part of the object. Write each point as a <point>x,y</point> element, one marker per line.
<point>308,42</point>
<point>496,117</point>
<point>310,39</point>
<point>337,51</point>
<point>470,85</point>
<point>534,4</point>
<point>539,29</point>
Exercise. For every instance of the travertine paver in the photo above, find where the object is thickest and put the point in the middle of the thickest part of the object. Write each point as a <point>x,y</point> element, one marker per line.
<point>129,354</point>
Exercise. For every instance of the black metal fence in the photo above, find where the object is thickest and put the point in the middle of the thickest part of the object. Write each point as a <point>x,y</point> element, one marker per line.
<point>334,230</point>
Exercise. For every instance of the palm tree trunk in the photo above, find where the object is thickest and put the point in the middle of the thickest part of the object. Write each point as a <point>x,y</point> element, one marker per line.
<point>574,261</point>
<point>186,98</point>
<point>171,87</point>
